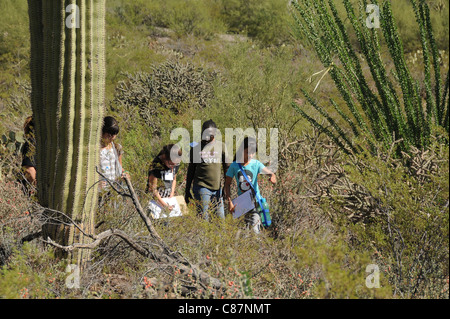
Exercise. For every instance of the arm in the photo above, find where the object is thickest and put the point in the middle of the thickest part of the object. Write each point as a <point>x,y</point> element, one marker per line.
<point>28,165</point>
<point>120,152</point>
<point>153,182</point>
<point>174,183</point>
<point>225,167</point>
<point>227,193</point>
<point>121,165</point>
<point>272,178</point>
<point>189,179</point>
<point>30,174</point>
<point>225,160</point>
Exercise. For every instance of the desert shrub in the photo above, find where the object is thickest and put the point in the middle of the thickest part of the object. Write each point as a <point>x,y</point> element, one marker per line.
<point>413,231</point>
<point>256,86</point>
<point>253,266</point>
<point>337,269</point>
<point>16,218</point>
<point>301,159</point>
<point>170,88</point>
<point>193,17</point>
<point>10,156</point>
<point>129,13</point>
<point>32,273</point>
<point>399,211</point>
<point>14,34</point>
<point>266,21</point>
<point>15,108</point>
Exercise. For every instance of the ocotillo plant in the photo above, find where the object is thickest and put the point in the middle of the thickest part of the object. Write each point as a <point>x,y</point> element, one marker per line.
<point>68,81</point>
<point>385,108</point>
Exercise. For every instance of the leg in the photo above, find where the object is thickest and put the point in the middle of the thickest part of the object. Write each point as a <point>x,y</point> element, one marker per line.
<point>253,221</point>
<point>203,197</point>
<point>218,203</point>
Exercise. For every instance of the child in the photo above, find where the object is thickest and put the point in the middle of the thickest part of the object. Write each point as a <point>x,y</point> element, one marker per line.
<point>252,168</point>
<point>164,169</point>
<point>207,160</point>
<point>110,153</point>
<point>28,156</point>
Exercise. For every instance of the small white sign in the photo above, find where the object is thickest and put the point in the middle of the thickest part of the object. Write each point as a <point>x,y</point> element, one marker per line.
<point>73,19</point>
<point>73,280</point>
<point>373,279</point>
<point>373,20</point>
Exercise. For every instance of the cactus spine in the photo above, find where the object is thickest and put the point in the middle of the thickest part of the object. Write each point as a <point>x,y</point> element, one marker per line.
<point>68,81</point>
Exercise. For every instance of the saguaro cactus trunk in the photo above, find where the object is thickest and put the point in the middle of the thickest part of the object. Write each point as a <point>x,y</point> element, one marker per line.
<point>68,81</point>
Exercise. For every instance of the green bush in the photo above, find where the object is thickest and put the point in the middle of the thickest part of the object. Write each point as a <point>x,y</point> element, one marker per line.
<point>190,17</point>
<point>14,53</point>
<point>256,86</point>
<point>32,274</point>
<point>264,20</point>
<point>339,268</point>
<point>14,39</point>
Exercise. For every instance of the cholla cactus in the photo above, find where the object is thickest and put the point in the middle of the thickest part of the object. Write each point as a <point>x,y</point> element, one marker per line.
<point>385,108</point>
<point>172,86</point>
<point>68,81</point>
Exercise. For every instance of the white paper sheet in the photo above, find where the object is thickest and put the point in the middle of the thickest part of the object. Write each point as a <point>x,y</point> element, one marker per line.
<point>157,212</point>
<point>243,204</point>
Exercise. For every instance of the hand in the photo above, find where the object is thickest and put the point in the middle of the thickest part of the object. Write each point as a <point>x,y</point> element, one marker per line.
<point>169,208</point>
<point>125,174</point>
<point>188,197</point>
<point>273,179</point>
<point>232,208</point>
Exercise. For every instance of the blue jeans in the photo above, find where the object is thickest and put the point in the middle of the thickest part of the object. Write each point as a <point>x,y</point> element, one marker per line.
<point>205,197</point>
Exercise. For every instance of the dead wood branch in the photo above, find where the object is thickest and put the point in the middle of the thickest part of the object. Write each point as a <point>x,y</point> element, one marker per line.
<point>166,257</point>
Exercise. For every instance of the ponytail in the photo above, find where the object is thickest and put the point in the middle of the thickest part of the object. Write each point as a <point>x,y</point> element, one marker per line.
<point>171,150</point>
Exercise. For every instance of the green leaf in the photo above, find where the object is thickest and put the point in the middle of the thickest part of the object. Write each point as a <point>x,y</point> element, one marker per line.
<point>12,136</point>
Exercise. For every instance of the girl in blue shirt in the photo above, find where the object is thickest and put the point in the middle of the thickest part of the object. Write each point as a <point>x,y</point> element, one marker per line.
<point>245,156</point>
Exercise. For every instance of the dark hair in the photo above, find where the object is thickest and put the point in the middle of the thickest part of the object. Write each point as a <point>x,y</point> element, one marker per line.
<point>29,125</point>
<point>207,125</point>
<point>250,144</point>
<point>110,125</point>
<point>171,150</point>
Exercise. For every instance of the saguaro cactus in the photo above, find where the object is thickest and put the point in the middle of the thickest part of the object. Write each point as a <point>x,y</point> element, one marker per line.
<point>68,81</point>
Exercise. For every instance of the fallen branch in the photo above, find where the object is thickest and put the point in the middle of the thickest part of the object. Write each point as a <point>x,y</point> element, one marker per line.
<point>166,257</point>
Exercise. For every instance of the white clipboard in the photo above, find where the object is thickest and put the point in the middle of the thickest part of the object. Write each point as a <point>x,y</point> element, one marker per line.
<point>243,204</point>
